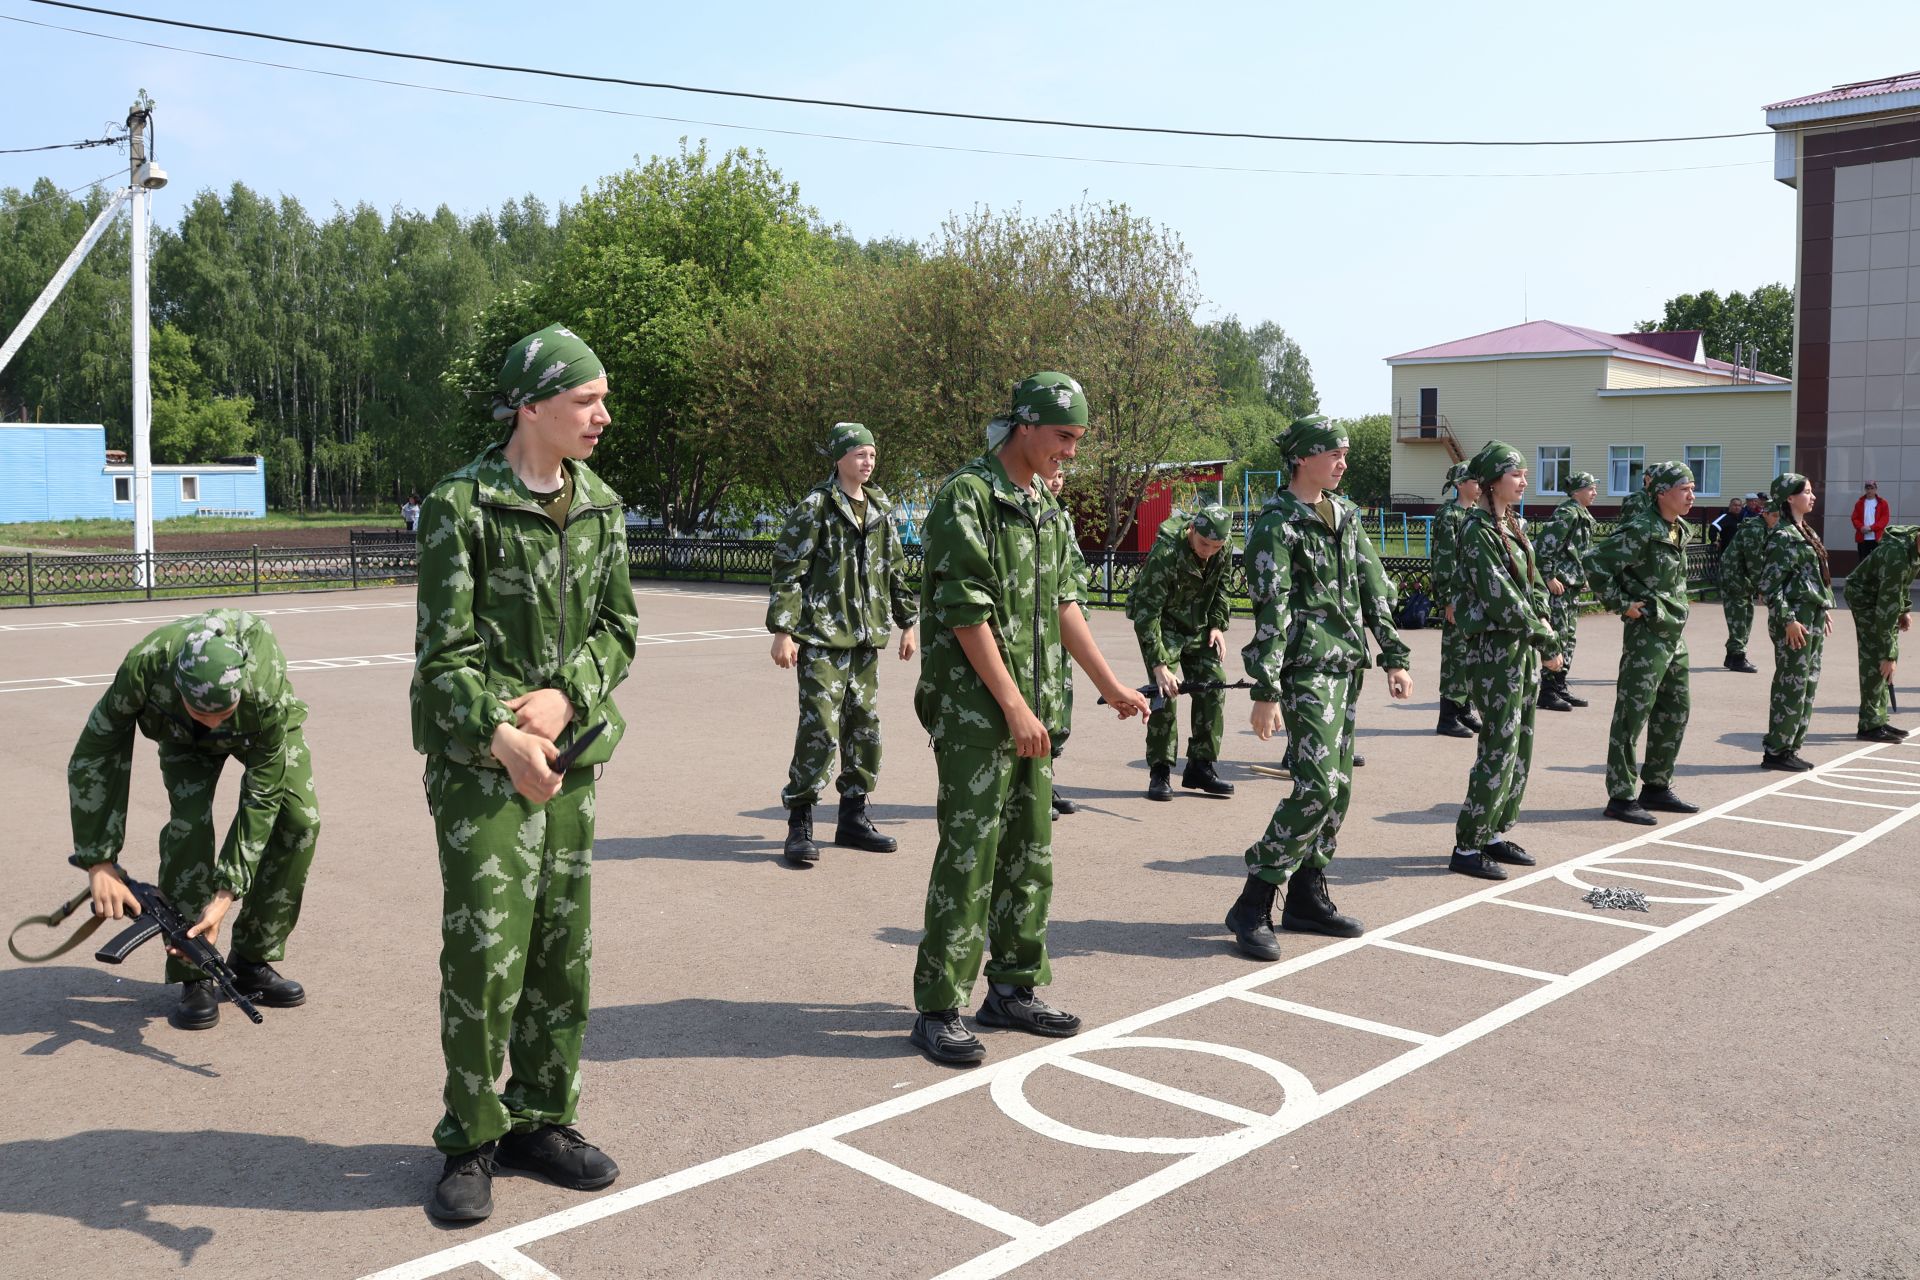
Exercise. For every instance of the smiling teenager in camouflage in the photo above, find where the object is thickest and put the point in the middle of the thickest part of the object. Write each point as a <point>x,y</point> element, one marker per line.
<point>839,579</point>
<point>1501,604</point>
<point>526,625</point>
<point>1001,599</point>
<point>206,688</point>
<point>1457,719</point>
<point>1797,584</point>
<point>1180,609</point>
<point>1640,572</point>
<point>1880,593</point>
<point>1566,541</point>
<point>1739,584</point>
<point>1317,589</point>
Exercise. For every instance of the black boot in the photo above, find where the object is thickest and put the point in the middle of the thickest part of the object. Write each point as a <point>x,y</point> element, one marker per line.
<point>855,830</point>
<point>199,1005</point>
<point>465,1193</point>
<point>1309,910</point>
<point>800,849</point>
<point>1159,782</point>
<point>1663,799</point>
<point>1738,662</point>
<point>1200,776</point>
<point>1566,694</point>
<point>1549,698</point>
<point>260,983</point>
<point>1467,717</point>
<point>1251,920</point>
<point>1450,723</point>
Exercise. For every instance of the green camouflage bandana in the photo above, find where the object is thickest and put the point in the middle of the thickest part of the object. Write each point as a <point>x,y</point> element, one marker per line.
<point>543,364</point>
<point>1581,480</point>
<point>846,437</point>
<point>1662,476</point>
<point>1784,486</point>
<point>1311,435</point>
<point>1455,474</point>
<point>1213,522</point>
<point>212,665</point>
<point>1495,459</point>
<point>1049,400</point>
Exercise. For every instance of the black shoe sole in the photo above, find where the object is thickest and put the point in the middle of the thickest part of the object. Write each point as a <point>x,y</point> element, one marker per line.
<point>457,1217</point>
<point>867,846</point>
<point>1780,765</point>
<point>529,1166</point>
<point>1160,795</point>
<point>1483,871</point>
<point>1455,730</point>
<point>1209,791</point>
<point>1669,808</point>
<point>985,1019</point>
<point>1554,706</point>
<point>195,1025</point>
<point>1633,818</point>
<point>1293,924</point>
<point>966,1060</point>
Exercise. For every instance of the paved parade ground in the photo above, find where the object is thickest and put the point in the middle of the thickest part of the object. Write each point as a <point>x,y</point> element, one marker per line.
<point>1495,1081</point>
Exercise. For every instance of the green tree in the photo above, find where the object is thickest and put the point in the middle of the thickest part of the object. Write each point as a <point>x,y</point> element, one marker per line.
<point>190,423</point>
<point>77,365</point>
<point>1761,321</point>
<point>1369,478</point>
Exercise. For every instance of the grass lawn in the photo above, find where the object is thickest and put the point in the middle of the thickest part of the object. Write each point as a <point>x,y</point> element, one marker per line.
<point>61,530</point>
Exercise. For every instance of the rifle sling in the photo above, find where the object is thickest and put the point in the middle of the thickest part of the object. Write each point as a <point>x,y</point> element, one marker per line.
<point>54,920</point>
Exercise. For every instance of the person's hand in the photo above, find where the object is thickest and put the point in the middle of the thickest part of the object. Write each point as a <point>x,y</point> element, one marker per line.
<point>542,713</point>
<point>1796,636</point>
<point>1217,641</point>
<point>909,645</point>
<point>1886,668</point>
<point>1399,684</point>
<point>1905,621</point>
<point>208,926</point>
<point>1556,662</point>
<point>1030,738</point>
<point>1634,612</point>
<point>1827,625</point>
<point>1266,716</point>
<point>1449,615</point>
<point>786,652</point>
<point>1166,682</point>
<point>1128,702</point>
<point>111,897</point>
<point>528,760</point>
<point>1556,586</point>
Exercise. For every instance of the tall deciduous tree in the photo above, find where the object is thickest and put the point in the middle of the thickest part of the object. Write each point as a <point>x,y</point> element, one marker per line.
<point>1761,321</point>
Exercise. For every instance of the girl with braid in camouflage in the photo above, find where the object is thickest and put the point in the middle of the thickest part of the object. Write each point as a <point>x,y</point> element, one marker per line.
<point>1501,605</point>
<point>1797,585</point>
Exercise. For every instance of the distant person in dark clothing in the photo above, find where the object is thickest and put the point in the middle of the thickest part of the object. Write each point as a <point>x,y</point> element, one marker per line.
<point>1727,523</point>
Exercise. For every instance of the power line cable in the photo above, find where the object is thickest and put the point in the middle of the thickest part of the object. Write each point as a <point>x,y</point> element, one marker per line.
<point>897,110</point>
<point>59,195</point>
<point>62,146</point>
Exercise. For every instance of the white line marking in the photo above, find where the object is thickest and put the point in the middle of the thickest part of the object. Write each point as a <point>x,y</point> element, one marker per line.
<point>1735,853</point>
<point>511,1264</point>
<point>1678,884</point>
<point>1594,916</point>
<point>935,1193</point>
<point>1328,1015</point>
<point>158,618</point>
<point>1162,1092</point>
<point>696,637</point>
<point>1456,958</point>
<point>1796,826</point>
<point>1863,804</point>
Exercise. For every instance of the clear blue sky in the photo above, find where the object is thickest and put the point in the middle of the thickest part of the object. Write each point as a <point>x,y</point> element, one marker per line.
<point>1355,268</point>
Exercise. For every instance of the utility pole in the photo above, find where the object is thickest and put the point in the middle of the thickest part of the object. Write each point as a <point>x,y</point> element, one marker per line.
<point>144,178</point>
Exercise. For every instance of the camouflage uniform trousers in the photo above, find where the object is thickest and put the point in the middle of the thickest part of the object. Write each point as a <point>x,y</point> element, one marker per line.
<point>272,905</point>
<point>1318,708</point>
<point>1563,615</point>
<point>1506,689</point>
<point>516,945</point>
<point>1205,720</point>
<point>839,715</point>
<point>1454,685</point>
<point>1875,704</point>
<point>992,875</point>
<point>1736,601</point>
<point>1651,694</point>
<point>1796,678</point>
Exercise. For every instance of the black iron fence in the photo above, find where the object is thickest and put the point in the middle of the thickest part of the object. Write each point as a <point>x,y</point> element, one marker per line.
<point>381,558</point>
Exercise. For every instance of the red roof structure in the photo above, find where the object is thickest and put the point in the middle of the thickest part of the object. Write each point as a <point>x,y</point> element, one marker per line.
<point>1847,92</point>
<point>1552,338</point>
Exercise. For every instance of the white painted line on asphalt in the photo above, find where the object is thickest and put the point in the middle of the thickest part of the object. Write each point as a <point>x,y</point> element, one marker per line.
<point>511,1264</point>
<point>1329,1015</point>
<point>1863,804</point>
<point>1793,826</point>
<point>158,618</point>
<point>695,637</point>
<point>1304,1103</point>
<point>935,1193</point>
<point>1456,958</point>
<point>1594,916</point>
<point>1714,848</point>
<point>1678,884</point>
<point>1167,1093</point>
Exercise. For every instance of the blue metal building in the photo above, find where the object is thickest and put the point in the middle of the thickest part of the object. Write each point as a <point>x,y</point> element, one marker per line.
<point>59,471</point>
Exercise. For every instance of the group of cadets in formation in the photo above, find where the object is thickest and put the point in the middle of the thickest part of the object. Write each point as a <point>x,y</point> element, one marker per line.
<point>527,623</point>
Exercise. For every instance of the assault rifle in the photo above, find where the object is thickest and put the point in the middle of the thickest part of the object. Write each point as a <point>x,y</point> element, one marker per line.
<point>1157,701</point>
<point>158,917</point>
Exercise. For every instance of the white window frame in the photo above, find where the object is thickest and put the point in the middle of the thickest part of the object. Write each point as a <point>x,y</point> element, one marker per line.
<point>1720,458</point>
<point>193,483</point>
<point>1782,464</point>
<point>1541,471</point>
<point>1640,451</point>
<point>119,481</point>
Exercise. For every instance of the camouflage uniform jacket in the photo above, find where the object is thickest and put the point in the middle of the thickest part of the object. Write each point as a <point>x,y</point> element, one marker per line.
<point>1880,592</point>
<point>1178,597</point>
<point>1644,560</point>
<point>1314,589</point>
<point>1640,500</point>
<point>1740,562</point>
<point>834,582</point>
<point>143,695</point>
<point>1499,586</point>
<point>1446,542</point>
<point>1790,579</point>
<point>998,556</point>
<point>509,604</point>
<point>1565,542</point>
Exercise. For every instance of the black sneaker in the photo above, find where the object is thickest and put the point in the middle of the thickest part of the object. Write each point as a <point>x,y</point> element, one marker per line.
<point>1663,799</point>
<point>1629,811</point>
<point>944,1038</point>
<point>1475,863</point>
<point>465,1193</point>
<point>261,983</point>
<point>1508,852</point>
<point>1799,765</point>
<point>199,1005</point>
<point>1881,733</point>
<point>560,1155</point>
<point>1738,662</point>
<point>1160,782</point>
<point>1024,1011</point>
<point>1784,762</point>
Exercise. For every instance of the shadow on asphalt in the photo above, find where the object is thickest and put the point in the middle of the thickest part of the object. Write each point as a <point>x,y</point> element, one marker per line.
<point>77,1004</point>
<point>703,1028</point>
<point>694,848</point>
<point>119,1179</point>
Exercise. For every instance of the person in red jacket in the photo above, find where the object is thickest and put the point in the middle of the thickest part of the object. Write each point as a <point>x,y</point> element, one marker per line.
<point>1870,517</point>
